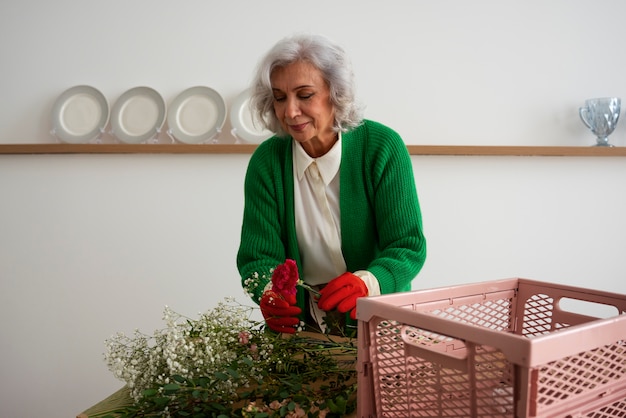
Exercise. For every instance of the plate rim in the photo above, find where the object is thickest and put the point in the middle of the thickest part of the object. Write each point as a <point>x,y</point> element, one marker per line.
<point>62,99</point>
<point>174,126</point>
<point>235,119</point>
<point>116,113</point>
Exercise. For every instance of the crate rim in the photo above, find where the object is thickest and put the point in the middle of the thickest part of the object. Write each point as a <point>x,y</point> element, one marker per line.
<point>599,331</point>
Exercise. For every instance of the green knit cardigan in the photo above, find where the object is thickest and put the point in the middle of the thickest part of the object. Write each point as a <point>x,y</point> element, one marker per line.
<point>381,224</point>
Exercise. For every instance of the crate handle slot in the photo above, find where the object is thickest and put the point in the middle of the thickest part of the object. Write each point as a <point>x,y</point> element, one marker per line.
<point>587,308</point>
<point>451,353</point>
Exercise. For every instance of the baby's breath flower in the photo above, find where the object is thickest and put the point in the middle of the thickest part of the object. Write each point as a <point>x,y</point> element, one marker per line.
<point>231,349</point>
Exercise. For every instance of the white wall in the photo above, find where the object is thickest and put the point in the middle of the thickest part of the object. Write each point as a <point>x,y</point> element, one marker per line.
<point>93,244</point>
<point>445,72</point>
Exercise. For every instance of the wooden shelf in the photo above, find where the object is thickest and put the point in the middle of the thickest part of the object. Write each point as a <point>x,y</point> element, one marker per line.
<point>528,151</point>
<point>126,149</point>
<point>249,148</point>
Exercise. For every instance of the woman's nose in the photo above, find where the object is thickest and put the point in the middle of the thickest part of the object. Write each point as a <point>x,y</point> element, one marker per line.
<point>292,109</point>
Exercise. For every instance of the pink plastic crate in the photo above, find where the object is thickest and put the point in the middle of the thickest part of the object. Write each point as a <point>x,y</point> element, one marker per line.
<point>513,347</point>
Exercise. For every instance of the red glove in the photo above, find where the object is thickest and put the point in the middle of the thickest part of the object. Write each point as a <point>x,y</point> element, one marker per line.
<point>341,293</point>
<point>279,311</point>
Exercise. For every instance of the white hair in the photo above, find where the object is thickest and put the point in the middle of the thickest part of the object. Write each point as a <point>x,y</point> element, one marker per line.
<point>329,58</point>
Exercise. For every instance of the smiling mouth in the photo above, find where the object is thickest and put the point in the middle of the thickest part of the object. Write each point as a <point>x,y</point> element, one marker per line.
<point>299,127</point>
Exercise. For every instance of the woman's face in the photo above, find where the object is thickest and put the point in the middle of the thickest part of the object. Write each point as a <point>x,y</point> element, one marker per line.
<point>303,107</point>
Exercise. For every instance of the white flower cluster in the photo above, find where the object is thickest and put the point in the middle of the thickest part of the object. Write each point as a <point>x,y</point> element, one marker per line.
<point>188,348</point>
<point>251,284</point>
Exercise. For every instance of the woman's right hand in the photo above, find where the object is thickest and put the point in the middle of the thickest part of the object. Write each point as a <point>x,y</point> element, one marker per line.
<point>280,312</point>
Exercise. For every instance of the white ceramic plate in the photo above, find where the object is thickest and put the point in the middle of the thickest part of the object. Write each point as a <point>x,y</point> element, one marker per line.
<point>246,126</point>
<point>196,115</point>
<point>138,115</point>
<point>79,115</point>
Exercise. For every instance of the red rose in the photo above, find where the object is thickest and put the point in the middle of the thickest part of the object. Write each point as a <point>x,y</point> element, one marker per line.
<point>285,278</point>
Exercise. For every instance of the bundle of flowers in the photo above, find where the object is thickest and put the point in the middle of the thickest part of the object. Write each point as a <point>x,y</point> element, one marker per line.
<point>226,364</point>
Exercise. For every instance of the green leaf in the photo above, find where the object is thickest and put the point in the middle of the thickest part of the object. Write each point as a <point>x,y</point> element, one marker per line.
<point>203,382</point>
<point>179,379</point>
<point>219,407</point>
<point>221,376</point>
<point>282,411</point>
<point>300,398</point>
<point>233,373</point>
<point>340,404</point>
<point>148,393</point>
<point>171,388</point>
<point>161,401</point>
<point>331,405</point>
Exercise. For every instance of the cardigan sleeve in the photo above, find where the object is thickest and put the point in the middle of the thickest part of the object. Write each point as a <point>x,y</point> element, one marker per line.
<point>261,246</point>
<point>398,218</point>
<point>397,233</point>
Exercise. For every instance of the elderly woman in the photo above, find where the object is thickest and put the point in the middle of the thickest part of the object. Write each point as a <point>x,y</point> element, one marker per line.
<point>330,190</point>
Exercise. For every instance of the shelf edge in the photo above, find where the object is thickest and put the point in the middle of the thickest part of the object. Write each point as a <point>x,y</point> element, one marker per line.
<point>460,150</point>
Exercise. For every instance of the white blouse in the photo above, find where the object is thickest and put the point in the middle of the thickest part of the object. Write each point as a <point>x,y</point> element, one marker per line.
<point>318,221</point>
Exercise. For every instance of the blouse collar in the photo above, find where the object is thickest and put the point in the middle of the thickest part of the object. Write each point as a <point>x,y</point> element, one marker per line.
<point>328,164</point>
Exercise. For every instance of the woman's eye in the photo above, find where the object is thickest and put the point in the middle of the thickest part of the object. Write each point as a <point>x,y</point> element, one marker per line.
<point>306,96</point>
<point>279,98</point>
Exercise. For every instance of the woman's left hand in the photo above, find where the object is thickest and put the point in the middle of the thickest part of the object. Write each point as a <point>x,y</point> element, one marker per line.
<point>341,293</point>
